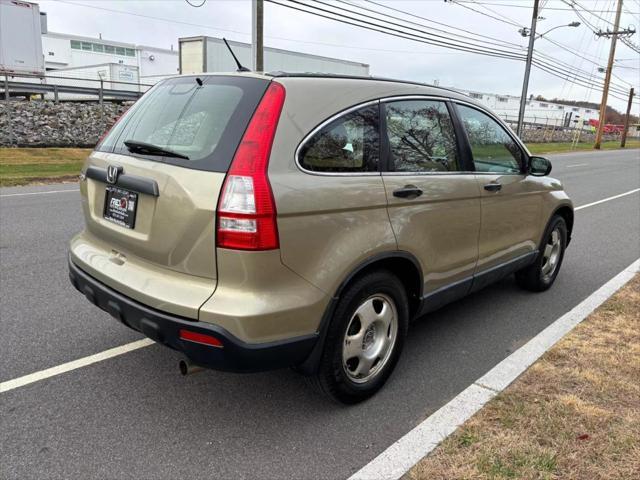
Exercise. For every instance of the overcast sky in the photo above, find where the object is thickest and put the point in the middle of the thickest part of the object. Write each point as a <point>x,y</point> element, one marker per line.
<point>386,55</point>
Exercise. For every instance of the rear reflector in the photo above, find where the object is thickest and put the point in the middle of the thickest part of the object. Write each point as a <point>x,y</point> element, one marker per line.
<point>200,338</point>
<point>246,209</point>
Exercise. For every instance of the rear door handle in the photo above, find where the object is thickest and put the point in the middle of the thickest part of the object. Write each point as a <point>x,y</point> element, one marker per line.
<point>493,187</point>
<point>408,191</point>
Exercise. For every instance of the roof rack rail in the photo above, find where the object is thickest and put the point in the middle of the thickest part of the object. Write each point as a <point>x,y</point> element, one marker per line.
<point>281,74</point>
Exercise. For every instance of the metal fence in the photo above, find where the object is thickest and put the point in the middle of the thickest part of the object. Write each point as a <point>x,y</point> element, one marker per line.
<point>66,88</point>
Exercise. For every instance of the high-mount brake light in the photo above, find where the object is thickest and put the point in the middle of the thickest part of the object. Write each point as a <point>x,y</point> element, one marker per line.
<point>246,215</point>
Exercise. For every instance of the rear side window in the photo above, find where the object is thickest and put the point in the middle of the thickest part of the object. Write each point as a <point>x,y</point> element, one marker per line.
<point>421,137</point>
<point>202,122</point>
<point>493,149</point>
<point>348,144</point>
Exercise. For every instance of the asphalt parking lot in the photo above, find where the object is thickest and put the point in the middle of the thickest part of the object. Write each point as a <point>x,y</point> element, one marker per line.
<point>134,416</point>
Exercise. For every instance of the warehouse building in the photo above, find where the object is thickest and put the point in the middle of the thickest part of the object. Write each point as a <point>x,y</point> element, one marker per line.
<point>536,112</point>
<point>65,51</point>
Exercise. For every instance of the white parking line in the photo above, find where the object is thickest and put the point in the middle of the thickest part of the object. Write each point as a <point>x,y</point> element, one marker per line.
<point>607,199</point>
<point>577,165</point>
<point>400,457</point>
<point>48,192</point>
<point>67,367</point>
<point>98,357</point>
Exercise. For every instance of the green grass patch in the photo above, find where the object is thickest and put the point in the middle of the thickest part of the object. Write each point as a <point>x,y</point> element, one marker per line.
<point>22,166</point>
<point>558,147</point>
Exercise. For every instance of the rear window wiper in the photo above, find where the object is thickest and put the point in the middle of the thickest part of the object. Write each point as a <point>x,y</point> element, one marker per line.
<point>142,147</point>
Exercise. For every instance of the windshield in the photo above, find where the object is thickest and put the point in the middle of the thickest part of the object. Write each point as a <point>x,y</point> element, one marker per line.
<point>201,122</point>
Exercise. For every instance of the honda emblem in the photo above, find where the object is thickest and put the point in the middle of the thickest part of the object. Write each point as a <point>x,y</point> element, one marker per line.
<point>112,173</point>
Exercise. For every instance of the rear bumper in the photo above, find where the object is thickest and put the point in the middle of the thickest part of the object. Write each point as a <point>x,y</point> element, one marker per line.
<point>164,328</point>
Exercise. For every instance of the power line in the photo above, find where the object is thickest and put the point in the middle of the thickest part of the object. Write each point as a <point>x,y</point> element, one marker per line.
<point>511,5</point>
<point>507,19</point>
<point>414,23</point>
<point>413,15</point>
<point>494,41</point>
<point>337,16</point>
<point>392,31</point>
<point>552,62</point>
<point>196,6</point>
<point>510,22</point>
<point>209,27</point>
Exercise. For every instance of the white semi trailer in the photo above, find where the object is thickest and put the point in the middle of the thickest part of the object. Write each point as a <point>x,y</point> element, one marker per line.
<point>20,38</point>
<point>209,54</point>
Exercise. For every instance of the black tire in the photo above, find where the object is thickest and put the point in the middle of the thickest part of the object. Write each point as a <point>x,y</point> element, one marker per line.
<point>332,379</point>
<point>533,277</point>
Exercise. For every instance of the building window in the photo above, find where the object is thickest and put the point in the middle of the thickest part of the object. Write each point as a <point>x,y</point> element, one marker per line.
<point>544,105</point>
<point>560,107</point>
<point>575,109</point>
<point>475,95</point>
<point>587,111</point>
<point>503,99</point>
<point>102,48</point>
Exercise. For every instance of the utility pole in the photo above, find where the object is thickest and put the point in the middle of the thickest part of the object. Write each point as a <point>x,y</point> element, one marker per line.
<point>527,69</point>
<point>257,35</point>
<point>607,78</point>
<point>623,139</point>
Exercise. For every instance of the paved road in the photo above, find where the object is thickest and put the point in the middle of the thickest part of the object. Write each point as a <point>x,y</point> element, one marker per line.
<point>133,416</point>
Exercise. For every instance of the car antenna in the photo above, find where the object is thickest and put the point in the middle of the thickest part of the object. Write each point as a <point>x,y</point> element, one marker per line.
<point>240,67</point>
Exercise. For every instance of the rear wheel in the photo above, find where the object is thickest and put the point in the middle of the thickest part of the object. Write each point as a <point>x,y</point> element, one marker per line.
<point>365,338</point>
<point>541,274</point>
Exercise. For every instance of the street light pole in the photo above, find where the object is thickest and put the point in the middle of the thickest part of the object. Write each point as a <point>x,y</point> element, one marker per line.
<point>257,35</point>
<point>527,69</point>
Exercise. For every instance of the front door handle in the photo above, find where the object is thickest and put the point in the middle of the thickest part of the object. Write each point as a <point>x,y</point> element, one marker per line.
<point>408,191</point>
<point>493,187</point>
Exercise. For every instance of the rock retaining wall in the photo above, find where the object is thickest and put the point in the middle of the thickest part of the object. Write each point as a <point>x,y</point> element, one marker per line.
<point>80,124</point>
<point>49,124</point>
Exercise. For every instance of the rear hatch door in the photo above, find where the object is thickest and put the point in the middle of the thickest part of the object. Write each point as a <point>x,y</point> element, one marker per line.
<point>152,187</point>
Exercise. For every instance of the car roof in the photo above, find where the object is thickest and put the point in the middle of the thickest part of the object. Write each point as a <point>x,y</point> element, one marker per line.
<point>428,89</point>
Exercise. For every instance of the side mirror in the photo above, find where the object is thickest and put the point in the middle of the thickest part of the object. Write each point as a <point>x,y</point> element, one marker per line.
<point>539,166</point>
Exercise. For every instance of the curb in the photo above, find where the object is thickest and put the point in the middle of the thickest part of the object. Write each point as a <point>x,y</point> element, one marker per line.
<point>402,455</point>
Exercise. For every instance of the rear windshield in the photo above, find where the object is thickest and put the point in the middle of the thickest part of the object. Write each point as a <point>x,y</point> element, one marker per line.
<point>202,122</point>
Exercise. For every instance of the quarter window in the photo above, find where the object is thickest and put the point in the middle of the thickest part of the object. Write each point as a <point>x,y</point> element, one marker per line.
<point>421,137</point>
<point>493,149</point>
<point>348,144</point>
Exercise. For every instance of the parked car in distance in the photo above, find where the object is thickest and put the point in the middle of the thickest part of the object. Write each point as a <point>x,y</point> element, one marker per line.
<point>260,221</point>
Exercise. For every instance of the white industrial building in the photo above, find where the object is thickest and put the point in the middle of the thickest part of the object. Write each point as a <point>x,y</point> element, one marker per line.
<point>536,112</point>
<point>65,51</point>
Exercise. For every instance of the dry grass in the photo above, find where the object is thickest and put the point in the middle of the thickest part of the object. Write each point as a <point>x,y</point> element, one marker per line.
<point>559,147</point>
<point>22,166</point>
<point>575,414</point>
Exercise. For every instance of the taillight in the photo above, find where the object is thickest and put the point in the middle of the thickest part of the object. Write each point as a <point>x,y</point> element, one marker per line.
<point>246,216</point>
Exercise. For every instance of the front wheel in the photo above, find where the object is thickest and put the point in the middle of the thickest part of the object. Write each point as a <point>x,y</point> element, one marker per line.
<point>365,338</point>
<point>541,274</point>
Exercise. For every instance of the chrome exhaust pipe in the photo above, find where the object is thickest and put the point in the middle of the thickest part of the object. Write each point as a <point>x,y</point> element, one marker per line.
<point>188,368</point>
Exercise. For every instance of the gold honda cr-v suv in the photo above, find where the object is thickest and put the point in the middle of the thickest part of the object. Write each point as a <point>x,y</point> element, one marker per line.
<point>258,221</point>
